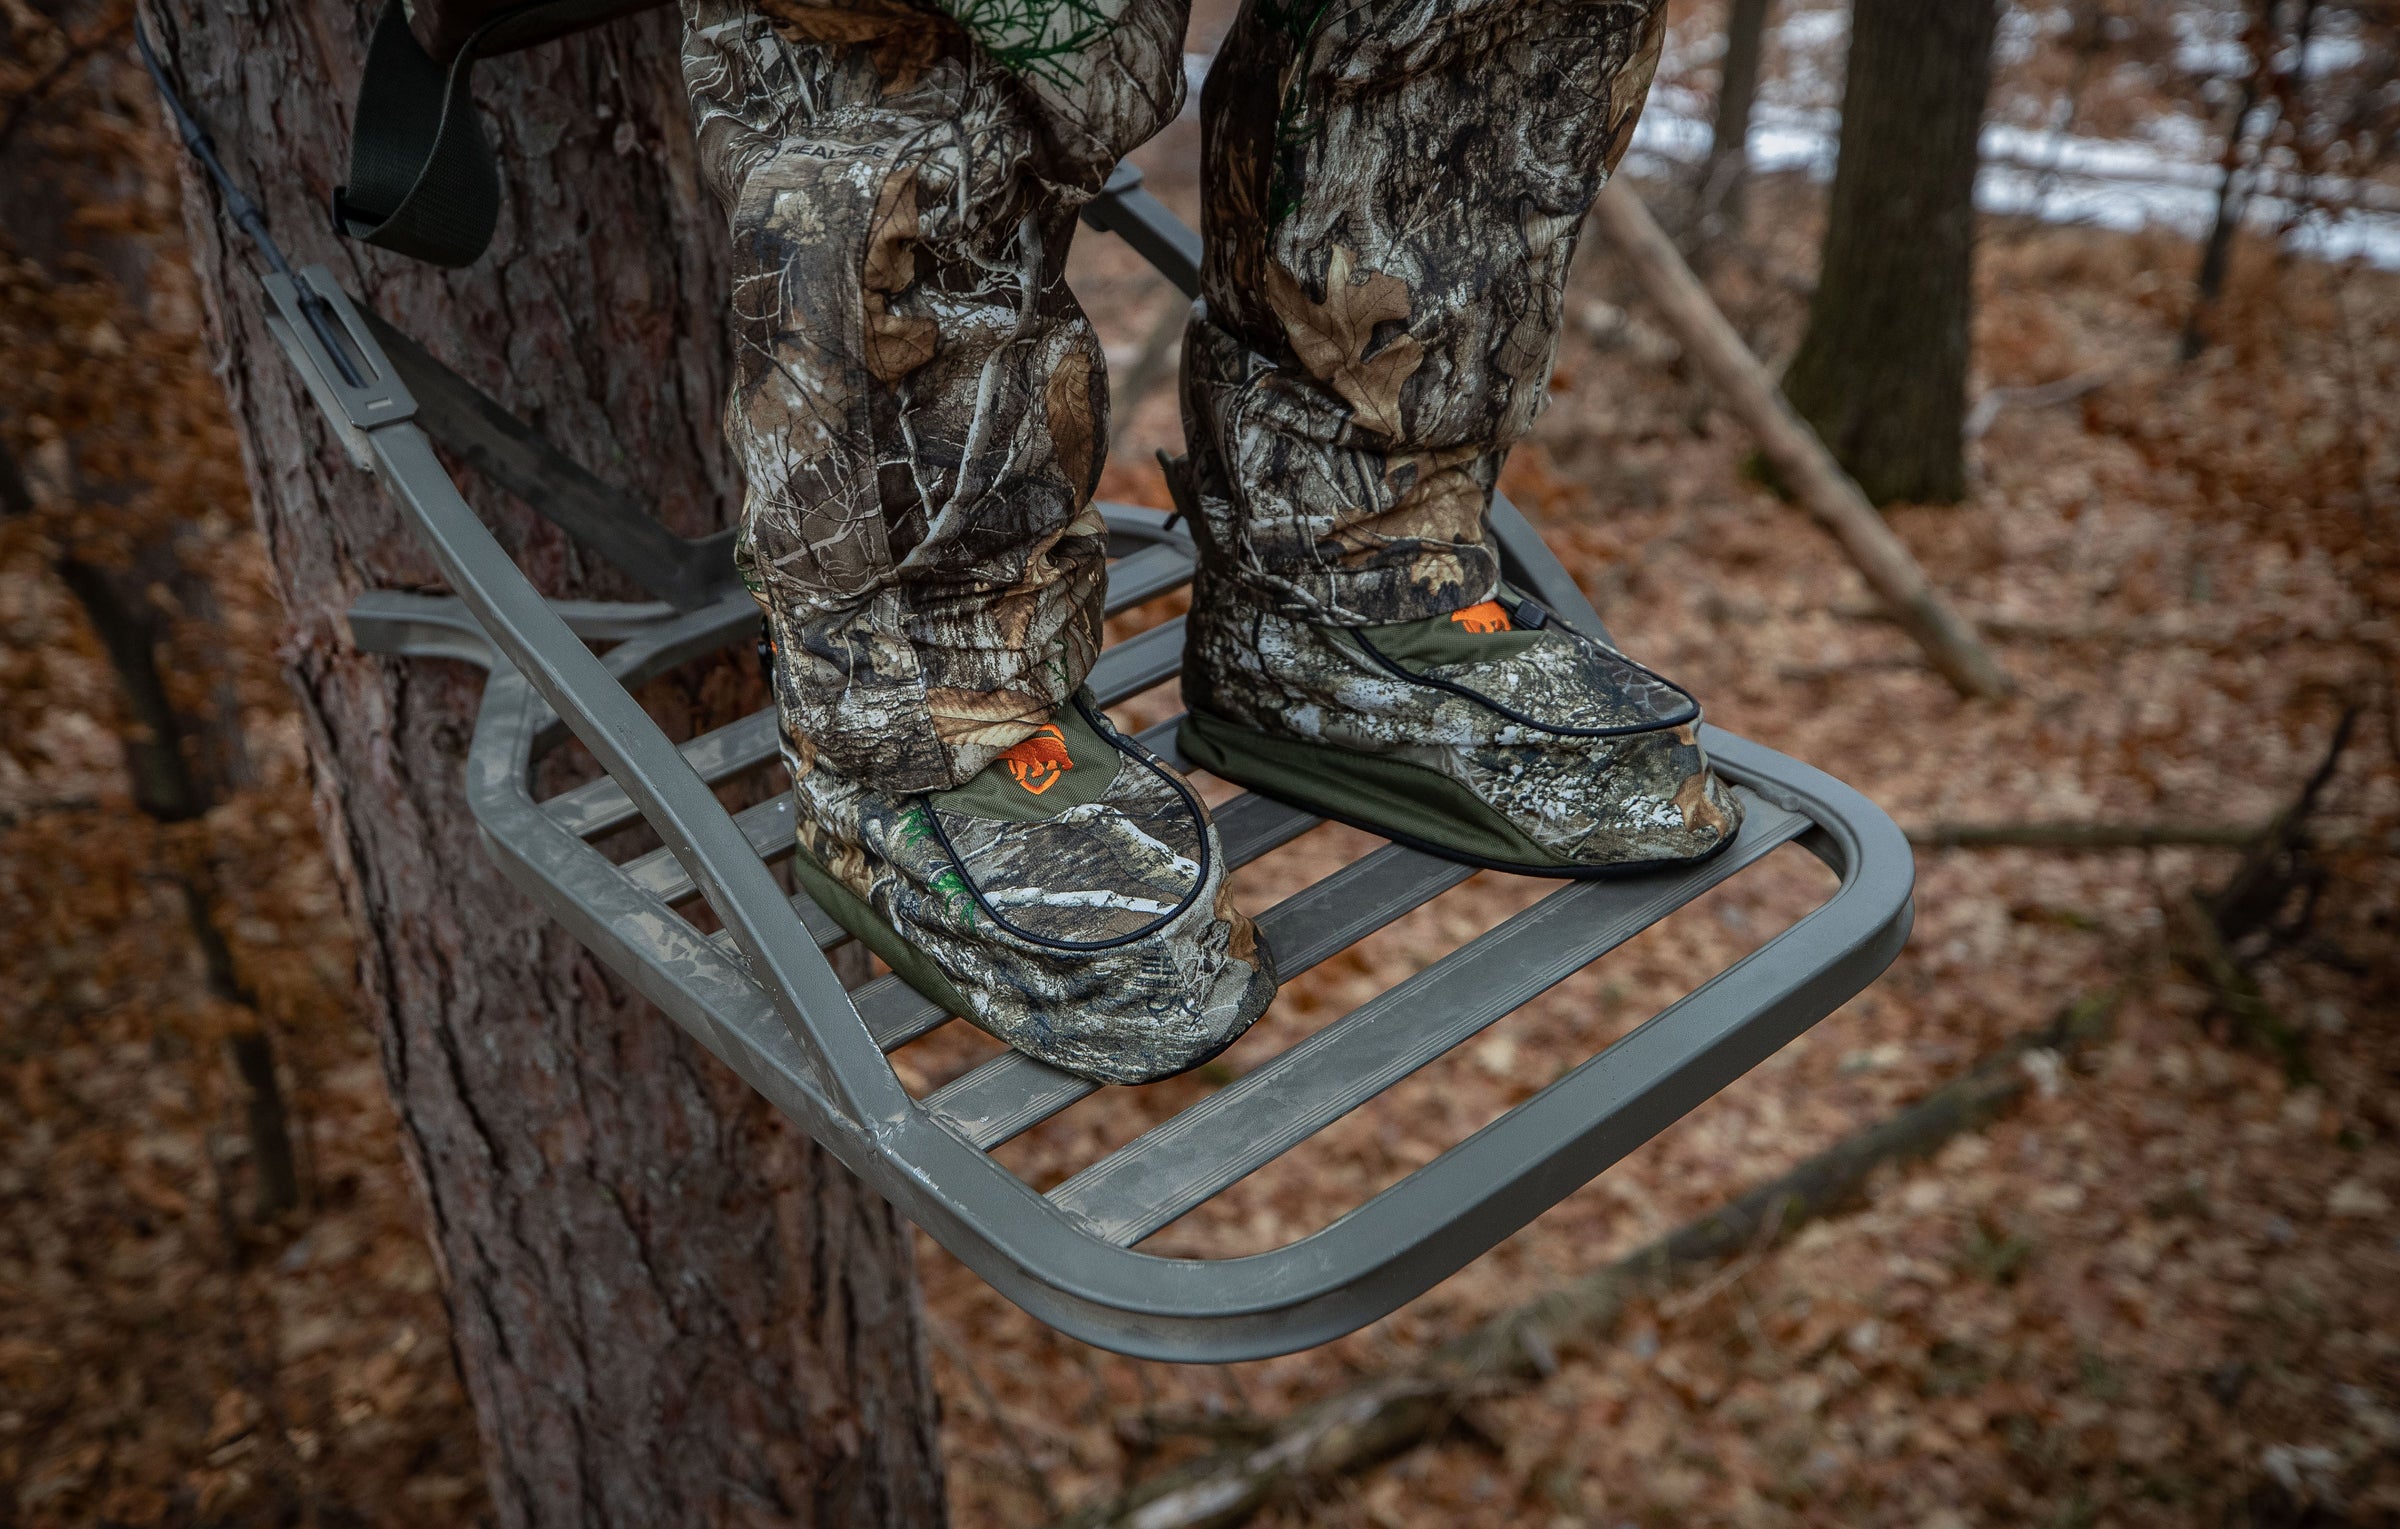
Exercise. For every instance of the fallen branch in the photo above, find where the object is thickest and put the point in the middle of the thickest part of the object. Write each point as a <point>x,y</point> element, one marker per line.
<point>1791,448</point>
<point>1371,1422</point>
<point>2198,945</point>
<point>170,793</point>
<point>2174,629</point>
<point>2082,836</point>
<point>2279,859</point>
<point>2204,928</point>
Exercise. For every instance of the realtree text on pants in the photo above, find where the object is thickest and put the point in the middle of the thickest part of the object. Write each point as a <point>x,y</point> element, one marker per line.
<point>1392,191</point>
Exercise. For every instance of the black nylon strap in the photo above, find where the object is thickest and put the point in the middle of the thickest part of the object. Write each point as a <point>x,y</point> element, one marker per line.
<point>423,182</point>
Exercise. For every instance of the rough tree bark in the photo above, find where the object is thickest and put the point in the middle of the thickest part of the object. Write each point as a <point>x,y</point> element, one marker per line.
<point>1882,370</point>
<point>668,1306</point>
<point>180,761</point>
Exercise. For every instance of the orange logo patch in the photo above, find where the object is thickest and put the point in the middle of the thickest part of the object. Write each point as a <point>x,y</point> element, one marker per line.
<point>1038,762</point>
<point>1487,617</point>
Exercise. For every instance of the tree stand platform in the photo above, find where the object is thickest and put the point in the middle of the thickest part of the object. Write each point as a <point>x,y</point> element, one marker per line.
<point>761,995</point>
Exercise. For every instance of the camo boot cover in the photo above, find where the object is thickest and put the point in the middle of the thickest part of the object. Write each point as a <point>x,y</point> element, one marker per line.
<point>1121,860</point>
<point>1391,193</point>
<point>1643,796</point>
<point>918,404</point>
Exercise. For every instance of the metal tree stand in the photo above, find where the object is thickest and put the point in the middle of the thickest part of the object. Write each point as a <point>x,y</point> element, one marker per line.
<point>761,995</point>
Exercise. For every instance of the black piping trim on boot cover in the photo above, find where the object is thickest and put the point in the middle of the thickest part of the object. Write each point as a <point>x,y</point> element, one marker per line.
<point>1690,713</point>
<point>1157,766</point>
<point>871,929</point>
<point>1231,752</point>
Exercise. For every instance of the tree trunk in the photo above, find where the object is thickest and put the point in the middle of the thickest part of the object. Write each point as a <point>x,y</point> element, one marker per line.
<point>2216,251</point>
<point>2233,188</point>
<point>1728,165</point>
<point>1791,450</point>
<point>181,761</point>
<point>1882,371</point>
<point>668,1306</point>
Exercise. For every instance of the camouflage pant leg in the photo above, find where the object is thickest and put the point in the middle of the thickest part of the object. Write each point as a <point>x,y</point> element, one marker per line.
<point>918,403</point>
<point>1393,190</point>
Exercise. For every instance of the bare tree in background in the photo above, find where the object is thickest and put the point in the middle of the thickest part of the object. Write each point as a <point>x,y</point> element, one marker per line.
<point>2305,120</point>
<point>669,1306</point>
<point>1882,370</point>
<point>2237,171</point>
<point>1725,172</point>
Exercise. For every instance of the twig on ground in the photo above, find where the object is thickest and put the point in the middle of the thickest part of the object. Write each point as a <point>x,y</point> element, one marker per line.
<point>2175,629</point>
<point>2045,395</point>
<point>2084,836</point>
<point>1148,1432</point>
<point>2199,945</point>
<point>1791,448</point>
<point>1035,1477</point>
<point>1709,1289</point>
<point>2277,861</point>
<point>1818,674</point>
<point>1392,1413</point>
<point>2204,928</point>
<point>1095,1403</point>
<point>1231,1379</point>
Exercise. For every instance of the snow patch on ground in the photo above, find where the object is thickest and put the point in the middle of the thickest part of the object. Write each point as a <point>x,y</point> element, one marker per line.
<point>2059,178</point>
<point>2167,178</point>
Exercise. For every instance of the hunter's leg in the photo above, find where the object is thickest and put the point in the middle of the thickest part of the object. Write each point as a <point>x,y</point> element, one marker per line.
<point>918,406</point>
<point>916,395</point>
<point>1393,192</point>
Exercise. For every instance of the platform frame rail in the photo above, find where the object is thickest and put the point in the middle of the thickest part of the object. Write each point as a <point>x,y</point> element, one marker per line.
<point>760,994</point>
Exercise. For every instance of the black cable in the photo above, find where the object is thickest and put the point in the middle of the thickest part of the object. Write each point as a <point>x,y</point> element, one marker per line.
<point>1130,750</point>
<point>1689,714</point>
<point>245,213</point>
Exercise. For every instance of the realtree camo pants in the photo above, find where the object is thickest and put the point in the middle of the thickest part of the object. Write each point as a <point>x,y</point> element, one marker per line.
<point>1393,191</point>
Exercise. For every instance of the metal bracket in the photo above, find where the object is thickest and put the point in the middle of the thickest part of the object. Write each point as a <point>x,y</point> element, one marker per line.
<point>474,429</point>
<point>1125,209</point>
<point>378,397</point>
<point>401,624</point>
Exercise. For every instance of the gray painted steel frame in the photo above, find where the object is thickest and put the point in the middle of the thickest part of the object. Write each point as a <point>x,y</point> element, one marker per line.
<point>762,997</point>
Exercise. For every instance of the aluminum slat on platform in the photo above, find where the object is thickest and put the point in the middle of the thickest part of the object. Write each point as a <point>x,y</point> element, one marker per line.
<point>1180,1164</point>
<point>1010,1095</point>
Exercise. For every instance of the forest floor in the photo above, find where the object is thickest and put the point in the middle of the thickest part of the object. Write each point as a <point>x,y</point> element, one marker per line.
<point>2163,1290</point>
<point>2160,1292</point>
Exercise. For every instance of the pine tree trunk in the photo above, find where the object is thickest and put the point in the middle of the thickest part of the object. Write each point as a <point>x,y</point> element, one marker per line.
<point>1882,370</point>
<point>668,1306</point>
<point>181,759</point>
